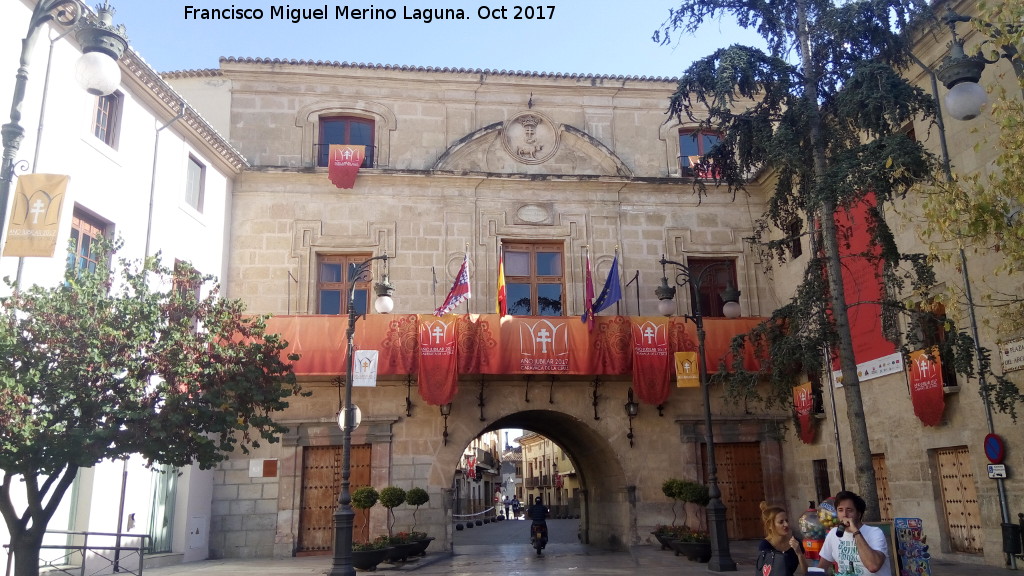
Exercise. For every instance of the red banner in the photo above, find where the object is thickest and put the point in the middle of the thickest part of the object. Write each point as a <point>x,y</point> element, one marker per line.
<point>438,377</point>
<point>926,392</point>
<point>652,363</point>
<point>344,163</point>
<point>803,403</point>
<point>489,344</point>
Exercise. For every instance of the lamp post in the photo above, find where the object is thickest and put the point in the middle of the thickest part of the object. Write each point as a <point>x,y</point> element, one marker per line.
<point>341,563</point>
<point>97,70</point>
<point>960,73</point>
<point>956,71</point>
<point>720,561</point>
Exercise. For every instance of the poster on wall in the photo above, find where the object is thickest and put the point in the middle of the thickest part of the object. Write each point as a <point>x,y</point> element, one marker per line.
<point>911,550</point>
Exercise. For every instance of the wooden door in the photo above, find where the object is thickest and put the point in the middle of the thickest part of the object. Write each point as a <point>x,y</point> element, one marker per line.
<point>960,500</point>
<point>882,486</point>
<point>742,484</point>
<point>321,485</point>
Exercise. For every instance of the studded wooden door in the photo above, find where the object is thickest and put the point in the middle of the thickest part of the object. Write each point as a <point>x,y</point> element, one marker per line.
<point>742,484</point>
<point>960,500</point>
<point>882,485</point>
<point>321,485</point>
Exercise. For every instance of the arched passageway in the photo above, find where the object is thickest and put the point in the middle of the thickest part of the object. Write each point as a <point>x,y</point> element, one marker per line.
<point>607,506</point>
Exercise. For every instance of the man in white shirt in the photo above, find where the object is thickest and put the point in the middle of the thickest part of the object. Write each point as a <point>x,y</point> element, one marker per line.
<point>853,548</point>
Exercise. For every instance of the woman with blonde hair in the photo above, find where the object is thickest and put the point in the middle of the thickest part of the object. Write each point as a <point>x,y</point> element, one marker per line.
<point>780,549</point>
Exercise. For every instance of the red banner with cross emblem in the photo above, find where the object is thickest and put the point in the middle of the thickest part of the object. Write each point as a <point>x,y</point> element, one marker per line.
<point>343,164</point>
<point>926,392</point>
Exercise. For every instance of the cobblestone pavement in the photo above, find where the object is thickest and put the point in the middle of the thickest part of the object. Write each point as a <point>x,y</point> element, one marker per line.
<point>503,549</point>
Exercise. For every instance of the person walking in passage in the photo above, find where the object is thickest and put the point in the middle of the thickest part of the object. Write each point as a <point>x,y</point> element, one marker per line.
<point>516,507</point>
<point>507,504</point>
<point>853,548</point>
<point>780,549</point>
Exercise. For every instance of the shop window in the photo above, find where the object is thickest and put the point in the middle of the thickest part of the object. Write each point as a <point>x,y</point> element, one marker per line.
<point>344,130</point>
<point>534,279</point>
<point>335,279</point>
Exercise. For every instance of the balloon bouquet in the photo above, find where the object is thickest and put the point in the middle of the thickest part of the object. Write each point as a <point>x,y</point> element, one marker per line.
<point>815,524</point>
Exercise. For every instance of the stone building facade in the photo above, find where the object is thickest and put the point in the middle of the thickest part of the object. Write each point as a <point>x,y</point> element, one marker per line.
<point>463,163</point>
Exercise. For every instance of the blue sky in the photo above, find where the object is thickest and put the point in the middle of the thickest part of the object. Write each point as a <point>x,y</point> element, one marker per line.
<point>581,36</point>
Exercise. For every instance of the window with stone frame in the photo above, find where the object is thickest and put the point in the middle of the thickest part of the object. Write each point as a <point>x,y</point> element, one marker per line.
<point>107,118</point>
<point>693,146</point>
<point>344,130</point>
<point>85,229</point>
<point>335,278</point>
<point>534,278</point>
<point>712,283</point>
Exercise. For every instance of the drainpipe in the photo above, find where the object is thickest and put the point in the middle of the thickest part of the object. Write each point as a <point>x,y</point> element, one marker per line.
<point>39,129</point>
<point>152,178</point>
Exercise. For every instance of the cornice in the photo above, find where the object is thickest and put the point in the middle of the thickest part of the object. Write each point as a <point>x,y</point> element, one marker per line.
<point>174,103</point>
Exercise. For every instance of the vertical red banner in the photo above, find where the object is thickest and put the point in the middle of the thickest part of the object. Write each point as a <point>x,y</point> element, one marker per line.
<point>438,374</point>
<point>343,164</point>
<point>926,392</point>
<point>803,404</point>
<point>652,361</point>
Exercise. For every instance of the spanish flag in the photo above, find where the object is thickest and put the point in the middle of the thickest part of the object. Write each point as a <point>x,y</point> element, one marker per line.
<point>502,296</point>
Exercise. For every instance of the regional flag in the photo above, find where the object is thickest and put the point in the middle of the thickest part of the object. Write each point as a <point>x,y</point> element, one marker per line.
<point>502,294</point>
<point>588,296</point>
<point>343,164</point>
<point>460,290</point>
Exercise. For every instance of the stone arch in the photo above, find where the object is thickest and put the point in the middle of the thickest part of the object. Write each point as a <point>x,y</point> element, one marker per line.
<point>608,506</point>
<point>385,122</point>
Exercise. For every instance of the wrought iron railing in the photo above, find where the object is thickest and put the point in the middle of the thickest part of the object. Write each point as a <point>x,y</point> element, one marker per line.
<point>79,557</point>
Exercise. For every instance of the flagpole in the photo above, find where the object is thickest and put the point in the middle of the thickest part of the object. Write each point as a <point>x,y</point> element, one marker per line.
<point>618,303</point>
<point>467,273</point>
<point>583,272</point>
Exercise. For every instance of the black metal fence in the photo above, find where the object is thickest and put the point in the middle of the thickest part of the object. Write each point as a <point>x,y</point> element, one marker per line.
<point>106,553</point>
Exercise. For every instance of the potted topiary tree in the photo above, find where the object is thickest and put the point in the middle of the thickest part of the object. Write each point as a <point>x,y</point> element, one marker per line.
<point>418,497</point>
<point>390,498</point>
<point>694,543</point>
<point>664,534</point>
<point>367,554</point>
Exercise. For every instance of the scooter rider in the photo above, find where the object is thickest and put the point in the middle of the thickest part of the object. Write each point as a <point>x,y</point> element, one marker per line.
<point>538,513</point>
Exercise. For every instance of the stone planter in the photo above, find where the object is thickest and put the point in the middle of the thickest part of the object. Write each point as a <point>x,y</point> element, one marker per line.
<point>420,548</point>
<point>695,551</point>
<point>399,552</point>
<point>664,539</point>
<point>368,559</point>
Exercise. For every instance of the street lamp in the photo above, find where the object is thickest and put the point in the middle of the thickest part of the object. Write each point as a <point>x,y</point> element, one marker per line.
<point>720,561</point>
<point>97,70</point>
<point>960,73</point>
<point>632,409</point>
<point>951,74</point>
<point>341,563</point>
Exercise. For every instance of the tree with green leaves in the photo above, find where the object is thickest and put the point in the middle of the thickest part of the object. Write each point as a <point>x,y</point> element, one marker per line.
<point>824,109</point>
<point>986,211</point>
<point>116,362</point>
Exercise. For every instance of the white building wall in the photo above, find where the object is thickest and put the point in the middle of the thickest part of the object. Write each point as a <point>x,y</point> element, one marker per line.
<point>115,184</point>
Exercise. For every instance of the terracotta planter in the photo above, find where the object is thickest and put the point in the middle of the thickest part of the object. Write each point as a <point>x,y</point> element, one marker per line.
<point>368,559</point>
<point>696,551</point>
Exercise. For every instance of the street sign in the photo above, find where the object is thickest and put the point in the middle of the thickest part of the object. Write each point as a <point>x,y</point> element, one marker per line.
<point>994,449</point>
<point>997,471</point>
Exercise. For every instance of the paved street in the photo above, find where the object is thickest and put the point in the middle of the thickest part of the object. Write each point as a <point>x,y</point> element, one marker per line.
<point>503,549</point>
